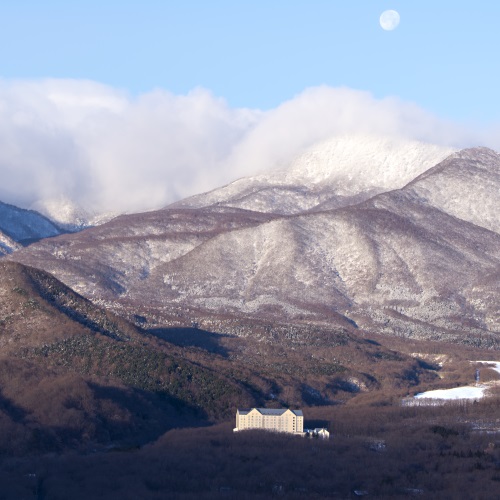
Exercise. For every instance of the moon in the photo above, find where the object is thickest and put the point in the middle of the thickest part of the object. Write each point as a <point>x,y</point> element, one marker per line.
<point>389,20</point>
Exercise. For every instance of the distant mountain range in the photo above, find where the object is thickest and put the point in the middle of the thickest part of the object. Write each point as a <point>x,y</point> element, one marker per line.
<point>395,237</point>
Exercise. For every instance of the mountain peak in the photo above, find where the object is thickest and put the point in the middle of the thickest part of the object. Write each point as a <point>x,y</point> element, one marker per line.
<point>465,185</point>
<point>476,151</point>
<point>482,157</point>
<point>337,172</point>
<point>363,161</point>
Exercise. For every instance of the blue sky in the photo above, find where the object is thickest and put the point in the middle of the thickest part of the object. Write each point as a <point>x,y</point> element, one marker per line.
<point>130,105</point>
<point>259,53</point>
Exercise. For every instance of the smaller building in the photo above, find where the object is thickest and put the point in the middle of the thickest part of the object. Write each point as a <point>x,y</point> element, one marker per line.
<point>319,432</point>
<point>270,419</point>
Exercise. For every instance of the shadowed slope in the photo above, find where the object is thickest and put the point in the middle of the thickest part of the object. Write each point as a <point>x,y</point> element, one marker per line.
<point>75,375</point>
<point>25,226</point>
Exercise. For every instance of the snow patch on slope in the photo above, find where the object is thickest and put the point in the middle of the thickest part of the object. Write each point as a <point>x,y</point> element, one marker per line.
<point>496,365</point>
<point>465,185</point>
<point>466,392</point>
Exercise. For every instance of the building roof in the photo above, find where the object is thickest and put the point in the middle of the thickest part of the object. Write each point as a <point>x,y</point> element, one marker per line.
<point>270,411</point>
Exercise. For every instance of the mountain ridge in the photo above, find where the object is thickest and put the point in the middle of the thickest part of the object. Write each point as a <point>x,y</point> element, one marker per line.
<point>395,262</point>
<point>341,171</point>
<point>460,181</point>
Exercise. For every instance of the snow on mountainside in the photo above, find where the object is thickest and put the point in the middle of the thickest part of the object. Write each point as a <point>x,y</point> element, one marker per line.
<point>397,263</point>
<point>332,174</point>
<point>7,245</point>
<point>25,225</point>
<point>392,264</point>
<point>466,185</point>
<point>105,260</point>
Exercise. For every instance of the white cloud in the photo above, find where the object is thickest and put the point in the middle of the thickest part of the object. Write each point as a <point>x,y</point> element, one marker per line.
<point>108,151</point>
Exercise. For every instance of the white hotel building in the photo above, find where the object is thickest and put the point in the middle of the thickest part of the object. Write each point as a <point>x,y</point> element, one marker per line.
<point>268,419</point>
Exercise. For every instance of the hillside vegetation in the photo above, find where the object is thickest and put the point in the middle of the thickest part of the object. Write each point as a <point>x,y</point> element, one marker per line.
<point>76,376</point>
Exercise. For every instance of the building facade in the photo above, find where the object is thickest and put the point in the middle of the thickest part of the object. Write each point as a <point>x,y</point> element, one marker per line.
<point>268,419</point>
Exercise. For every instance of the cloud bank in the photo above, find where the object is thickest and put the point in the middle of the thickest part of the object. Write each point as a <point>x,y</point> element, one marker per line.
<point>108,151</point>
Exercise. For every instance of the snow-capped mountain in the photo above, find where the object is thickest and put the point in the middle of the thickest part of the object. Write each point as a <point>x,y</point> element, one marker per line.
<point>419,260</point>
<point>25,225</point>
<point>339,172</point>
<point>466,185</point>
